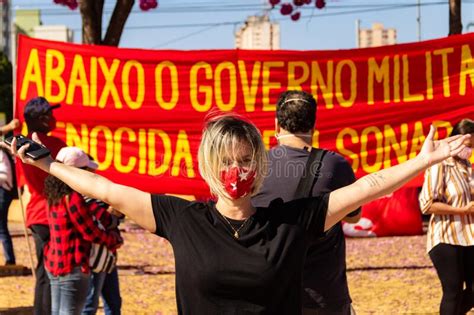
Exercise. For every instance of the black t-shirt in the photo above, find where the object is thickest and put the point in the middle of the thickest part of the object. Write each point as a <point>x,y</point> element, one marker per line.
<point>324,277</point>
<point>259,273</point>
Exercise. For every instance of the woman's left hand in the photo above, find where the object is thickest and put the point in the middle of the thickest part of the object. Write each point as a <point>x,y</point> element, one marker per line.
<point>435,151</point>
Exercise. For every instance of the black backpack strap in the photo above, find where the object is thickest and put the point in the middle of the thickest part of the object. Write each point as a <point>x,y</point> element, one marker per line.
<point>311,173</point>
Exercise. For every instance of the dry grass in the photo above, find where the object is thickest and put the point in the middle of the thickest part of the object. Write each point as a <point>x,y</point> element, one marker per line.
<point>386,276</point>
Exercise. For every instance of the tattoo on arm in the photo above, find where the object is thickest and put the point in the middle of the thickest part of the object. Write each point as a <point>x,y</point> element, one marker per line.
<point>374,179</point>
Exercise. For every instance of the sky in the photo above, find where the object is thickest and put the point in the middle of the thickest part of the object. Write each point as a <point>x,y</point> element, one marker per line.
<point>210,24</point>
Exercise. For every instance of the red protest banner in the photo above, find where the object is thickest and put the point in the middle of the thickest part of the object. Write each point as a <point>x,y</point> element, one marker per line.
<point>140,113</point>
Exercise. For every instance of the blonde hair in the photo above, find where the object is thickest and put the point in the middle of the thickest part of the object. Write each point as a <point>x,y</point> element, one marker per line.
<point>222,136</point>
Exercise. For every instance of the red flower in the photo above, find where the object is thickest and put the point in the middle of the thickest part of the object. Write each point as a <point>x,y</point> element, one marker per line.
<point>320,4</point>
<point>286,9</point>
<point>153,4</point>
<point>296,16</point>
<point>298,3</point>
<point>144,5</point>
<point>274,2</point>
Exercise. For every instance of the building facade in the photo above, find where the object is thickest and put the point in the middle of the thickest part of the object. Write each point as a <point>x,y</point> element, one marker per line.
<point>377,36</point>
<point>28,22</point>
<point>59,33</point>
<point>258,32</point>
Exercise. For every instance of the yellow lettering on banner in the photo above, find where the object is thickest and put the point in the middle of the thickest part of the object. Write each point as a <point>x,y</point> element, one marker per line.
<point>385,142</point>
<point>183,151</point>
<point>429,76</point>
<point>391,142</point>
<point>140,83</point>
<point>396,79</point>
<point>109,86</point>
<point>315,142</point>
<point>142,136</point>
<point>55,65</point>
<point>230,67</point>
<point>444,59</point>
<point>381,74</point>
<point>267,135</point>
<point>340,146</point>
<point>146,162</point>
<point>165,164</point>
<point>407,97</point>
<point>268,85</point>
<point>132,161</point>
<point>109,146</point>
<point>59,125</point>
<point>78,79</point>
<point>249,90</point>
<point>364,139</point>
<point>293,82</point>
<point>442,124</point>
<point>166,105</point>
<point>417,140</point>
<point>73,139</point>
<point>346,102</point>
<point>93,81</point>
<point>32,75</point>
<point>467,69</point>
<point>194,88</point>
<point>317,81</point>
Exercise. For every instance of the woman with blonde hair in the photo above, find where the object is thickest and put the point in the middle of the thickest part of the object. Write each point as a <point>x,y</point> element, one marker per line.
<point>447,195</point>
<point>232,258</point>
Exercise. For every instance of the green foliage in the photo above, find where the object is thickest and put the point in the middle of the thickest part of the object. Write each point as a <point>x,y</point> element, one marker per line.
<point>6,90</point>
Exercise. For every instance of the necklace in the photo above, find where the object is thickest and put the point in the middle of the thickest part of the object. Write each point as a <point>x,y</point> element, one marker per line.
<point>236,231</point>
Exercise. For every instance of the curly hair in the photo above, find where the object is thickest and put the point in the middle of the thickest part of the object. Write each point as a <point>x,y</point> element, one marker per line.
<point>55,190</point>
<point>296,111</point>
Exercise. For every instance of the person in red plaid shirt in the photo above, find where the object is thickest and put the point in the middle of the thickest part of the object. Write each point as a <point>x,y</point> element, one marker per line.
<point>73,228</point>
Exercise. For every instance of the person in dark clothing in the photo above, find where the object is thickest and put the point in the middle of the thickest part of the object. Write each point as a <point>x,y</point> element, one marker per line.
<point>39,118</point>
<point>8,191</point>
<point>325,289</point>
<point>230,257</point>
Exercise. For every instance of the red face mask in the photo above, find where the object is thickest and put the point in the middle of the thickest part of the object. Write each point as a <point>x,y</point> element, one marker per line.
<point>237,181</point>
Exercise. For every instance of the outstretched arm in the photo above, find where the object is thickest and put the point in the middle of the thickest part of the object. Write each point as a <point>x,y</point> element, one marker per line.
<point>375,185</point>
<point>132,202</point>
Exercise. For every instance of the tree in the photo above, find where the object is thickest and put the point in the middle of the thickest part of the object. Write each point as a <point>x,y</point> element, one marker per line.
<point>455,25</point>
<point>6,90</point>
<point>91,13</point>
<point>292,9</point>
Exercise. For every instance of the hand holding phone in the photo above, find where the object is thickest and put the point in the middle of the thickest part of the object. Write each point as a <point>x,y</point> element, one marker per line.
<point>35,151</point>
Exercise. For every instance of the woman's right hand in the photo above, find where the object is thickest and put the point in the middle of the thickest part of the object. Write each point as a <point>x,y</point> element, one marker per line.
<point>42,163</point>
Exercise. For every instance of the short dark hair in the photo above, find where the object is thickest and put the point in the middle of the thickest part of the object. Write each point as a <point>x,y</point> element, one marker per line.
<point>37,107</point>
<point>296,111</point>
<point>464,127</point>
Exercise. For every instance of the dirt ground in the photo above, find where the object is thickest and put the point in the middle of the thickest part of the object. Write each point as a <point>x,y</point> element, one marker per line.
<point>386,276</point>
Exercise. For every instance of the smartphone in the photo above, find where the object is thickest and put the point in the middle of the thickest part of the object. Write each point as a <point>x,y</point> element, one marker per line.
<point>36,151</point>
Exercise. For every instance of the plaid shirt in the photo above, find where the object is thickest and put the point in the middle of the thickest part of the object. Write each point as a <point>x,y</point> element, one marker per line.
<point>72,231</point>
